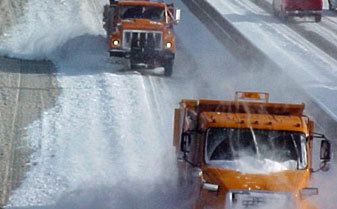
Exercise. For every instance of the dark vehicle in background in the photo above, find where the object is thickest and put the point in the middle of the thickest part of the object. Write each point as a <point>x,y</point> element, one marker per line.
<point>301,8</point>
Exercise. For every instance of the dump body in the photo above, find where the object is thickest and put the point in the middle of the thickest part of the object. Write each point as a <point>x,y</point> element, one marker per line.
<point>142,31</point>
<point>238,152</point>
<point>301,8</point>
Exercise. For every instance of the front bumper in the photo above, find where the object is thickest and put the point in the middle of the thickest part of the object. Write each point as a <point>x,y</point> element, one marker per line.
<point>143,54</point>
<point>119,53</point>
<point>259,199</point>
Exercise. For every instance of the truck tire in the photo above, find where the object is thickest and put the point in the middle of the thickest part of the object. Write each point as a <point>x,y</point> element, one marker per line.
<point>318,18</point>
<point>168,68</point>
<point>276,13</point>
<point>133,65</point>
<point>283,15</point>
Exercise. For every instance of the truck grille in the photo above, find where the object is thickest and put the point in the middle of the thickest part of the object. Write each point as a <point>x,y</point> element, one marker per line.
<point>142,39</point>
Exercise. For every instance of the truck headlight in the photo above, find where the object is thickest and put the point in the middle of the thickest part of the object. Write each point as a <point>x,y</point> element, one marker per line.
<point>168,45</point>
<point>115,42</point>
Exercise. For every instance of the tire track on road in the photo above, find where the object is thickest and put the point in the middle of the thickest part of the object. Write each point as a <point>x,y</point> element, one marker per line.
<point>8,175</point>
<point>27,88</point>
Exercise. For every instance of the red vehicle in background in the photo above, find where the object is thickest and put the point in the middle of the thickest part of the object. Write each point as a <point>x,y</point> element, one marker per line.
<point>300,8</point>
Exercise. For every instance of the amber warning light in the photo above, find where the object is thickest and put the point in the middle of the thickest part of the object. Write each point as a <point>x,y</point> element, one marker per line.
<point>257,96</point>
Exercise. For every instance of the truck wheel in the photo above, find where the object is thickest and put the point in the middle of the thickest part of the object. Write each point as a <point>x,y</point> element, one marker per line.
<point>284,17</point>
<point>132,64</point>
<point>318,18</point>
<point>168,68</point>
<point>276,13</point>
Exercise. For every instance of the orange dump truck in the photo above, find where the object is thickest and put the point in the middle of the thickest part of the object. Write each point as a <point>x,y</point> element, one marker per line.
<point>142,31</point>
<point>246,153</point>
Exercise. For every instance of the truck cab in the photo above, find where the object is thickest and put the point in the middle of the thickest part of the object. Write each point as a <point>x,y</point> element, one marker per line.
<point>143,32</point>
<point>239,154</point>
<point>287,8</point>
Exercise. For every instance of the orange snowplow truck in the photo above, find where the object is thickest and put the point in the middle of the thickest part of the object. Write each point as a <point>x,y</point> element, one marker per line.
<point>142,31</point>
<point>246,154</point>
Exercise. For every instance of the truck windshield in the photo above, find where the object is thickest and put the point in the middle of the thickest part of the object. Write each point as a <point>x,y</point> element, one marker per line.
<point>279,147</point>
<point>142,12</point>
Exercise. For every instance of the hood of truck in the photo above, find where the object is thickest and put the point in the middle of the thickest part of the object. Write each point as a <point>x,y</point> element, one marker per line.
<point>285,181</point>
<point>142,24</point>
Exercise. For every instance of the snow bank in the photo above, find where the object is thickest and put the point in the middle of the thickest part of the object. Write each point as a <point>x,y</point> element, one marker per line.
<point>10,11</point>
<point>100,146</point>
<point>47,25</point>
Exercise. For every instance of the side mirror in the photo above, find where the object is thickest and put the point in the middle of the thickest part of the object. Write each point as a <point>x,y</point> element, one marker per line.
<point>197,172</point>
<point>324,166</point>
<point>325,153</point>
<point>177,16</point>
<point>180,157</point>
<point>185,142</point>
